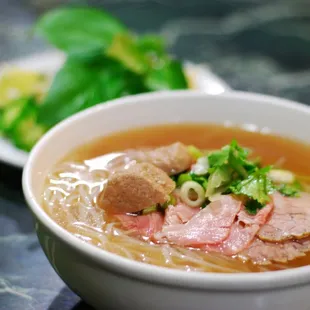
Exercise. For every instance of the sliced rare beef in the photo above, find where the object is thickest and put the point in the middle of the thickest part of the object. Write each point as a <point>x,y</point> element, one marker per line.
<point>179,214</point>
<point>264,252</point>
<point>242,233</point>
<point>210,225</point>
<point>289,220</point>
<point>172,159</point>
<point>142,225</point>
<point>136,188</point>
<point>259,218</point>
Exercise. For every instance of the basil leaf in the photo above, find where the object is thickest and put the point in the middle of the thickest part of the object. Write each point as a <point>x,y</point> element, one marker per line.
<point>160,71</point>
<point>165,75</point>
<point>152,45</point>
<point>78,86</point>
<point>79,31</point>
<point>125,49</point>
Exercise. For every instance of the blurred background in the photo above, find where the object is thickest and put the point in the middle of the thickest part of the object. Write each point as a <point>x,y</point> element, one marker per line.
<point>255,45</point>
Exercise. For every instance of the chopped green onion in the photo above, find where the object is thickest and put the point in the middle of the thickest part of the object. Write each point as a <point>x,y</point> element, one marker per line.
<point>185,177</point>
<point>149,210</point>
<point>186,194</point>
<point>194,151</point>
<point>171,202</point>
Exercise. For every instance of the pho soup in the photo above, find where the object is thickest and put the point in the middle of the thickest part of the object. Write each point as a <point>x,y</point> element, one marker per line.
<point>191,197</point>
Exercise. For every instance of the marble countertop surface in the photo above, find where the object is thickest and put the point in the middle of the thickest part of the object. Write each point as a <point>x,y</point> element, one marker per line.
<point>255,45</point>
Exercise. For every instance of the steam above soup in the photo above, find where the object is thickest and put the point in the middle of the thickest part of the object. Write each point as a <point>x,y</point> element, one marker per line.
<point>191,197</point>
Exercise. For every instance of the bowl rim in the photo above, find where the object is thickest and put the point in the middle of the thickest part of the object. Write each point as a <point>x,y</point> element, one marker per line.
<point>150,273</point>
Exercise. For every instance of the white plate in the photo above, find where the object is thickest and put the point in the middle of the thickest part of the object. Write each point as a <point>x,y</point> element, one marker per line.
<point>50,62</point>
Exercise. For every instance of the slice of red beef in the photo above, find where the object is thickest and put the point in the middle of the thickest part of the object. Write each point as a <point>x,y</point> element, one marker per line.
<point>259,218</point>
<point>290,219</point>
<point>143,225</point>
<point>211,225</point>
<point>264,252</point>
<point>179,214</point>
<point>243,232</point>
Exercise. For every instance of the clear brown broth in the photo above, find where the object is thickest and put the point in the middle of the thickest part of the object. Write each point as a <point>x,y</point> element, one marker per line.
<point>292,155</point>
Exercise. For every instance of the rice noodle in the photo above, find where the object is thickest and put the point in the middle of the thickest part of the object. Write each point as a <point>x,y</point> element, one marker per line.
<point>70,199</point>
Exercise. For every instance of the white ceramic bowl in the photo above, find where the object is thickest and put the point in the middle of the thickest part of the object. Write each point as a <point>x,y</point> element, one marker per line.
<point>108,281</point>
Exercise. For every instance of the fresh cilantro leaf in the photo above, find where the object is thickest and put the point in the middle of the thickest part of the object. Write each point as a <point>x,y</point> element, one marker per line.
<point>252,206</point>
<point>238,159</point>
<point>290,190</point>
<point>256,186</point>
<point>238,164</point>
<point>200,179</point>
<point>219,158</point>
<point>227,165</point>
<point>234,156</point>
<point>231,172</point>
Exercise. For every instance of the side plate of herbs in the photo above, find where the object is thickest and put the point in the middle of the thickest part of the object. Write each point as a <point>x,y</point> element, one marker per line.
<point>92,62</point>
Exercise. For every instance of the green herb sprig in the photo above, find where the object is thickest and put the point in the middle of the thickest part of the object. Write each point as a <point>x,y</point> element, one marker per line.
<point>105,60</point>
<point>232,172</point>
